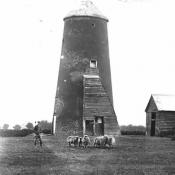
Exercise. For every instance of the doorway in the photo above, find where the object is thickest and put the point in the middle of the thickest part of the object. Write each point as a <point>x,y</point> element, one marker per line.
<point>99,125</point>
<point>153,123</point>
<point>89,125</point>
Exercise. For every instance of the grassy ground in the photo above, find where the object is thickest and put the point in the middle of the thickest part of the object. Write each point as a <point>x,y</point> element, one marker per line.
<point>131,155</point>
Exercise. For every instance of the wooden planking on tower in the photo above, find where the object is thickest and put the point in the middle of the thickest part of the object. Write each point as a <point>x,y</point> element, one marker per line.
<point>96,103</point>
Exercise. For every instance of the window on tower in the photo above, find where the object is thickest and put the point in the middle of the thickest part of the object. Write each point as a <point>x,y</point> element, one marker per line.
<point>93,25</point>
<point>93,63</point>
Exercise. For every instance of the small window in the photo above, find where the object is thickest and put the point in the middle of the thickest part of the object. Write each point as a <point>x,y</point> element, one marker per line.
<point>99,120</point>
<point>93,25</point>
<point>93,63</point>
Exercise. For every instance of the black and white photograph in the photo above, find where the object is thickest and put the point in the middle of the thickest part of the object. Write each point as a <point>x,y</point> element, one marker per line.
<point>87,87</point>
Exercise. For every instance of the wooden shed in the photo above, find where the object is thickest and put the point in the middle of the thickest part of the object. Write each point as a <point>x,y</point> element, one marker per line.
<point>160,115</point>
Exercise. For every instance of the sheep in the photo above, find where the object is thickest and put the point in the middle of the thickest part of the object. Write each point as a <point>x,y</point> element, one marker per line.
<point>85,141</point>
<point>110,140</point>
<point>100,141</point>
<point>104,141</point>
<point>73,140</point>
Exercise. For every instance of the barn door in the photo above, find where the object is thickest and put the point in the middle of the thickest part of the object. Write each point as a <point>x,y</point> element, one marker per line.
<point>153,123</point>
<point>89,127</point>
<point>99,126</point>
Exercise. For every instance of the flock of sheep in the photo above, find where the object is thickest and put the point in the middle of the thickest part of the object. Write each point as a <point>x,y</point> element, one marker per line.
<point>100,141</point>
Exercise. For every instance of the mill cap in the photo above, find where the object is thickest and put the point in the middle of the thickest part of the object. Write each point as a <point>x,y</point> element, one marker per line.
<point>87,8</point>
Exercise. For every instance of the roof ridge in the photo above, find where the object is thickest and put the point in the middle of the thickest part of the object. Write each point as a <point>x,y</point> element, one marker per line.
<point>163,94</point>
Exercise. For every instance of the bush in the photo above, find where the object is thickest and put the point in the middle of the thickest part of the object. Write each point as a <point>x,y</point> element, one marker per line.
<point>133,133</point>
<point>15,133</point>
<point>47,131</point>
<point>133,130</point>
<point>45,125</point>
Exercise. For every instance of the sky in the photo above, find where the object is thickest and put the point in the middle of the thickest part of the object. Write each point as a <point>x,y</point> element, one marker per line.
<point>142,55</point>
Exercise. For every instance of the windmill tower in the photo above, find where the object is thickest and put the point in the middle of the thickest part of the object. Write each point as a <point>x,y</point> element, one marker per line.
<point>84,89</point>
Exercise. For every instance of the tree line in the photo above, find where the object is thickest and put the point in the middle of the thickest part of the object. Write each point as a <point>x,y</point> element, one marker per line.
<point>18,131</point>
<point>44,124</point>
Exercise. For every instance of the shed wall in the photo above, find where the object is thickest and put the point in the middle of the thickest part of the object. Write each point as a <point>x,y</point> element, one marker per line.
<point>148,123</point>
<point>166,122</point>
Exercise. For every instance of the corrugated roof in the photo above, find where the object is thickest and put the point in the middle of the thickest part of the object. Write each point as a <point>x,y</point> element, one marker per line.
<point>87,8</point>
<point>164,102</point>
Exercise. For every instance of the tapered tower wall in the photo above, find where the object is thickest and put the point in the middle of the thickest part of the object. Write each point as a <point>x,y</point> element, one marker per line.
<point>85,38</point>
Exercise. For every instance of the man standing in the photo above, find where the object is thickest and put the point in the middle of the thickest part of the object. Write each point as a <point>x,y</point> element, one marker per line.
<point>37,131</point>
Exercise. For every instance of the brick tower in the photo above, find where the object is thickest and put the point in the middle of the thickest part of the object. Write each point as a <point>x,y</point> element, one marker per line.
<point>84,92</point>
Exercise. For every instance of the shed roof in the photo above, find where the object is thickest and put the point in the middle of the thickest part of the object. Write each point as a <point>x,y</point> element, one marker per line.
<point>163,102</point>
<point>87,8</point>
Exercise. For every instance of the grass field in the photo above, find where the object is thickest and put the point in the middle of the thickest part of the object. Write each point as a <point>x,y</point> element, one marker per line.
<point>131,155</point>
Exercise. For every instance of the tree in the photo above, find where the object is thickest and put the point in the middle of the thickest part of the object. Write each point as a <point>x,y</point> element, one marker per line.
<point>45,125</point>
<point>29,125</point>
<point>17,127</point>
<point>5,126</point>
